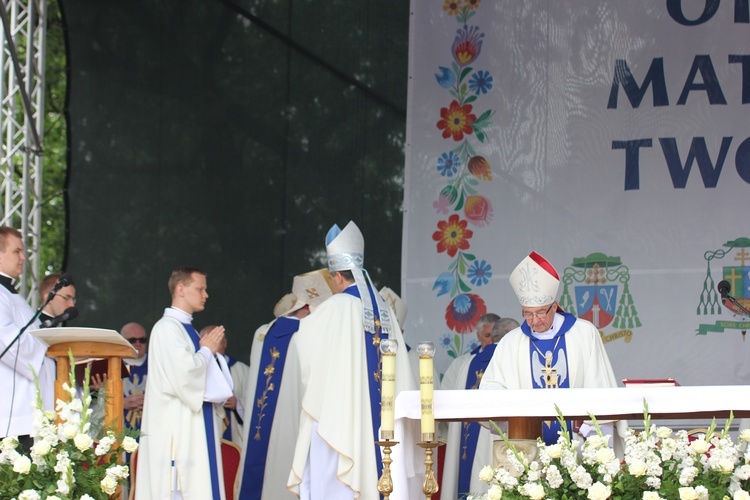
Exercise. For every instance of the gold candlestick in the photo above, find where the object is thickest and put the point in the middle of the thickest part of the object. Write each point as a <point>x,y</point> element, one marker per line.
<point>385,483</point>
<point>430,485</point>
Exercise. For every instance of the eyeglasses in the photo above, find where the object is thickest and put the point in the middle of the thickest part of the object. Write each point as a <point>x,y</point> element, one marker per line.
<point>136,340</point>
<point>528,315</point>
<point>67,298</point>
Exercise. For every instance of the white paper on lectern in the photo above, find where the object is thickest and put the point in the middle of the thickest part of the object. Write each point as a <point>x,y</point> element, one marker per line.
<point>60,335</point>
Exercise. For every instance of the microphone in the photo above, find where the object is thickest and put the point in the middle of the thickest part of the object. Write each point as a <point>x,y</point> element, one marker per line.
<point>70,313</point>
<point>64,280</point>
<point>724,287</point>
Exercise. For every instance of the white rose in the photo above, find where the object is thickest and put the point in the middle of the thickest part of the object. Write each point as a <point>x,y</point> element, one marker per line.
<point>485,475</point>
<point>701,492</point>
<point>554,451</point>
<point>741,494</point>
<point>86,497</point>
<point>651,495</point>
<point>129,444</point>
<point>22,465</point>
<point>29,495</point>
<point>53,497</point>
<point>495,493</point>
<point>83,442</point>
<point>637,468</point>
<point>596,441</point>
<point>745,435</point>
<point>598,491</point>
<point>108,484</point>
<point>41,448</point>
<point>724,465</point>
<point>663,432</point>
<point>688,493</point>
<point>700,446</point>
<point>69,431</point>
<point>535,491</point>
<point>9,443</point>
<point>604,455</point>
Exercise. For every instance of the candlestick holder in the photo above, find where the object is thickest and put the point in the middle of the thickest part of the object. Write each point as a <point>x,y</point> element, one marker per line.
<point>385,483</point>
<point>430,485</point>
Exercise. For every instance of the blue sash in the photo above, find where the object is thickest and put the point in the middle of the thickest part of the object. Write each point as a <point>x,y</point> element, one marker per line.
<point>270,372</point>
<point>552,374</point>
<point>470,430</point>
<point>208,421</point>
<point>372,347</point>
<point>138,380</point>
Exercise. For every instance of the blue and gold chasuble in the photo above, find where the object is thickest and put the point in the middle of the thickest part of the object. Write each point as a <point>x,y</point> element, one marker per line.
<point>372,347</point>
<point>470,430</point>
<point>549,367</point>
<point>272,361</point>
<point>208,421</point>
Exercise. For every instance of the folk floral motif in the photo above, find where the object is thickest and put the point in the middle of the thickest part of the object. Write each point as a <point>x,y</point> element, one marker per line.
<point>464,125</point>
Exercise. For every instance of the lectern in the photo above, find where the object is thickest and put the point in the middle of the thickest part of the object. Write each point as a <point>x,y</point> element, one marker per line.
<point>91,343</point>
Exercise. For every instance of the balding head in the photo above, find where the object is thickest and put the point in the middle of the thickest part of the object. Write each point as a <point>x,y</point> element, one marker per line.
<point>136,335</point>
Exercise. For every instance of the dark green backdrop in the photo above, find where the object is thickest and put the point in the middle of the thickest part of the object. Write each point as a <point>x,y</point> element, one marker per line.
<point>229,136</point>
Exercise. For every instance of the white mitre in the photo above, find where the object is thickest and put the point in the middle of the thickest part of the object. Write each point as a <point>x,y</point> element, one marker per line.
<point>345,248</point>
<point>535,281</point>
<point>310,289</point>
<point>399,306</point>
<point>346,252</point>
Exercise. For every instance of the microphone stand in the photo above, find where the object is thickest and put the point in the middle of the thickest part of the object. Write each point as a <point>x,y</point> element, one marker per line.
<point>33,318</point>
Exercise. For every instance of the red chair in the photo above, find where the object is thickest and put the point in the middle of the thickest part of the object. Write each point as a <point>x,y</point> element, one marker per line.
<point>230,458</point>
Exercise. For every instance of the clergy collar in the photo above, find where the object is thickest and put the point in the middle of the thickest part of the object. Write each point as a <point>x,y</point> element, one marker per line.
<point>178,314</point>
<point>136,361</point>
<point>549,334</point>
<point>7,282</point>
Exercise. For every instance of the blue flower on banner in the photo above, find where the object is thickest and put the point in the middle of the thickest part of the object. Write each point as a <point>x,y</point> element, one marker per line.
<point>446,341</point>
<point>480,82</point>
<point>448,164</point>
<point>444,283</point>
<point>479,272</point>
<point>473,344</point>
<point>446,78</point>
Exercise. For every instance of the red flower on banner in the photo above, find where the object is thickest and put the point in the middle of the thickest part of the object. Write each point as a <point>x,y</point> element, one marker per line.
<point>478,210</point>
<point>456,121</point>
<point>452,235</point>
<point>467,45</point>
<point>480,168</point>
<point>464,311</point>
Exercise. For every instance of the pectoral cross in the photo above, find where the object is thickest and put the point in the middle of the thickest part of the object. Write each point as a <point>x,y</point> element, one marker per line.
<point>549,373</point>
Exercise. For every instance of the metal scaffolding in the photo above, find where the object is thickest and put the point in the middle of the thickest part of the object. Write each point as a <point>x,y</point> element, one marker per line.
<point>22,120</point>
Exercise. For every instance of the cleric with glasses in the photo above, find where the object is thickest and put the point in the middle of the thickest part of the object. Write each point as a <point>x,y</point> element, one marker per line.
<point>552,349</point>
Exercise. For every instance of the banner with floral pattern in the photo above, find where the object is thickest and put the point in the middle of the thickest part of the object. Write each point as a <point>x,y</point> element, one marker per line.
<point>610,137</point>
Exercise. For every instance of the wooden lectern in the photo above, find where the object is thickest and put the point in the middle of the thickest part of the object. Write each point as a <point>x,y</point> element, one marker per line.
<point>92,343</point>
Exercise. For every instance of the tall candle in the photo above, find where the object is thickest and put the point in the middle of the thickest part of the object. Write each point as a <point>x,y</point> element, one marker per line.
<point>388,348</point>
<point>387,395</point>
<point>426,351</point>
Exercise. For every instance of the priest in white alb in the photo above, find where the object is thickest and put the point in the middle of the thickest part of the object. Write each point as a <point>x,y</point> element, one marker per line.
<point>179,455</point>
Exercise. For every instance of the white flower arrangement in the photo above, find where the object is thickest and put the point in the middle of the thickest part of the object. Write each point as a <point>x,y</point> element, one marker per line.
<point>65,462</point>
<point>658,464</point>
